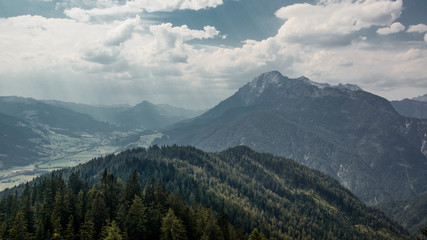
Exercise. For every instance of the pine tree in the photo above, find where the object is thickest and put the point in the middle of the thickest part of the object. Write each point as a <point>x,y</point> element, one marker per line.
<point>98,212</point>
<point>113,232</point>
<point>69,231</point>
<point>223,223</point>
<point>172,227</point>
<point>423,234</point>
<point>26,208</point>
<point>211,230</point>
<point>87,230</point>
<point>19,228</point>
<point>132,188</point>
<point>255,235</point>
<point>136,221</point>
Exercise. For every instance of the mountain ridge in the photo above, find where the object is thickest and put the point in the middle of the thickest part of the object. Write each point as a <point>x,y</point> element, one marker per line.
<point>351,125</point>
<point>279,196</point>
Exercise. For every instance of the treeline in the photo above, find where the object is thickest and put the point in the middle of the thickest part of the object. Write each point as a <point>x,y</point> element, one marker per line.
<point>55,209</point>
<point>278,196</point>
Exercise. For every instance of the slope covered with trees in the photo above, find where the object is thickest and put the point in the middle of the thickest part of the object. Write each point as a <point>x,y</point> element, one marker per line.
<point>279,197</point>
<point>111,209</point>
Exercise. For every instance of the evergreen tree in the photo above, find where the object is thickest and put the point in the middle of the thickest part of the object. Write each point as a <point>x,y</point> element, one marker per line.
<point>132,189</point>
<point>87,230</point>
<point>172,227</point>
<point>211,230</point>
<point>136,221</point>
<point>69,231</point>
<point>255,235</point>
<point>26,208</point>
<point>423,234</point>
<point>19,228</point>
<point>223,223</point>
<point>98,212</point>
<point>113,232</point>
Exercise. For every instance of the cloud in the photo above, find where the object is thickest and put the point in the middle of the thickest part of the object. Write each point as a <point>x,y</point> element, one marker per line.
<point>129,59</point>
<point>99,54</point>
<point>425,38</point>
<point>393,28</point>
<point>168,36</point>
<point>138,6</point>
<point>122,32</point>
<point>333,21</point>
<point>419,28</point>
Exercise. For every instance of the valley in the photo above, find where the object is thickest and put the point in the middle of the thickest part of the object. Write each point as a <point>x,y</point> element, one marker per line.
<point>356,137</point>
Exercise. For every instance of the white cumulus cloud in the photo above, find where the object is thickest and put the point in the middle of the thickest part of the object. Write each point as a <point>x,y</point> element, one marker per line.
<point>332,22</point>
<point>393,28</point>
<point>419,28</point>
<point>138,6</point>
<point>122,32</point>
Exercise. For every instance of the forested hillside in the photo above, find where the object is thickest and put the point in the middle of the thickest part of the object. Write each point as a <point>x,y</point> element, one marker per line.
<point>111,209</point>
<point>278,196</point>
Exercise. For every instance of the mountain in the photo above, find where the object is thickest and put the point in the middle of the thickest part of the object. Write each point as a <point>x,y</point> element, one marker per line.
<point>352,135</point>
<point>153,117</point>
<point>18,142</point>
<point>34,132</point>
<point>40,136</point>
<point>421,98</point>
<point>278,196</point>
<point>411,108</point>
<point>100,113</point>
<point>51,117</point>
<point>410,213</point>
<point>143,116</point>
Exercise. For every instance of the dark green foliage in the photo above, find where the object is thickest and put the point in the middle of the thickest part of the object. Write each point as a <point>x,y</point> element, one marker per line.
<point>48,208</point>
<point>136,222</point>
<point>113,232</point>
<point>423,234</point>
<point>255,235</point>
<point>278,196</point>
<point>411,213</point>
<point>172,227</point>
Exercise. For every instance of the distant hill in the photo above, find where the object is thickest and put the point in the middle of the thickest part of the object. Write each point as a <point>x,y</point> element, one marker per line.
<point>143,116</point>
<point>39,136</point>
<point>100,113</point>
<point>18,141</point>
<point>154,117</point>
<point>410,213</point>
<point>33,131</point>
<point>37,132</point>
<point>411,108</point>
<point>279,196</point>
<point>352,135</point>
<point>49,116</point>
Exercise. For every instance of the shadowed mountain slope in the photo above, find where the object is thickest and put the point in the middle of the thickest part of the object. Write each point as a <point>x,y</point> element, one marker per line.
<point>352,135</point>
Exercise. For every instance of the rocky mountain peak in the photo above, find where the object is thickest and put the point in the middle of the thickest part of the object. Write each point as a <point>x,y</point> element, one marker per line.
<point>268,79</point>
<point>421,98</point>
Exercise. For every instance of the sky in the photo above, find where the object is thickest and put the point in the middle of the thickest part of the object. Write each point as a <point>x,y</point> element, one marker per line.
<point>196,53</point>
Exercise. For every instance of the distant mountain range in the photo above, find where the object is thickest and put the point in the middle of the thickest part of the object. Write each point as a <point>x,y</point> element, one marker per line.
<point>144,115</point>
<point>414,108</point>
<point>44,135</point>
